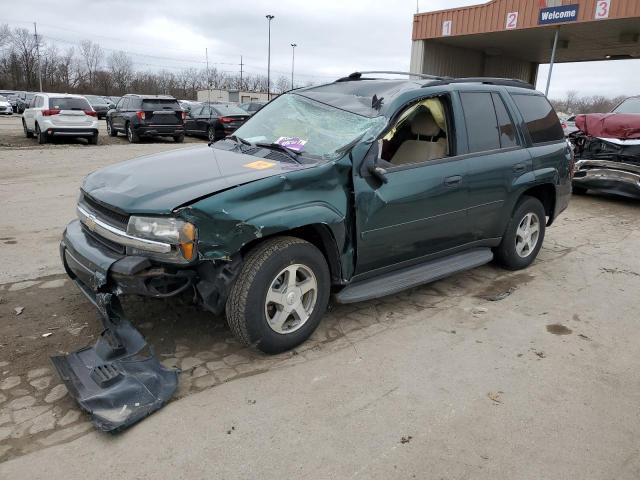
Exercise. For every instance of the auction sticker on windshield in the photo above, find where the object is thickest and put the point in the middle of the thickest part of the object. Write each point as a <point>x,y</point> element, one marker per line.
<point>259,165</point>
<point>292,143</point>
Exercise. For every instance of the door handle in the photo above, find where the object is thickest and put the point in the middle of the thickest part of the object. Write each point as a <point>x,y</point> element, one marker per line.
<point>519,168</point>
<point>453,181</point>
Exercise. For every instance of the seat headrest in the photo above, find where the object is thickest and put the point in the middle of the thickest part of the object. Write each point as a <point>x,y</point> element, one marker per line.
<point>423,124</point>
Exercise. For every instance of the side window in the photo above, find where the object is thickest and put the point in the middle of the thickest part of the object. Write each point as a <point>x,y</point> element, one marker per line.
<point>420,133</point>
<point>120,103</point>
<point>39,101</point>
<point>196,111</point>
<point>32,103</point>
<point>481,121</point>
<point>542,121</point>
<point>506,129</point>
<point>125,104</point>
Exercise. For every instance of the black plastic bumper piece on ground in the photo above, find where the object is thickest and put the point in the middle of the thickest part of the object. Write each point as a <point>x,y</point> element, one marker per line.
<point>118,381</point>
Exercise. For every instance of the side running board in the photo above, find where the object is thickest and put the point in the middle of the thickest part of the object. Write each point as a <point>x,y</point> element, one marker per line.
<point>394,282</point>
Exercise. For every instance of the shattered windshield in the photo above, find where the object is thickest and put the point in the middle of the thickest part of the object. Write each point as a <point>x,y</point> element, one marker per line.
<point>307,126</point>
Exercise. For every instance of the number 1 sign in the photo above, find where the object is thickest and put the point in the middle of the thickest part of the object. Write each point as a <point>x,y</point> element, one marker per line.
<point>512,20</point>
<point>602,9</point>
<point>446,28</point>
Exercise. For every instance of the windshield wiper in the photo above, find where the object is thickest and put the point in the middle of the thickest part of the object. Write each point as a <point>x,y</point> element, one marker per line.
<point>238,139</point>
<point>276,146</point>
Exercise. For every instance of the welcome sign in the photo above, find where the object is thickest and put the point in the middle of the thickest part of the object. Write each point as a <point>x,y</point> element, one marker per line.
<point>561,14</point>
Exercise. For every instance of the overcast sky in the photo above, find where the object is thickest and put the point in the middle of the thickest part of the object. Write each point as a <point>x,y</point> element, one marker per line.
<point>334,37</point>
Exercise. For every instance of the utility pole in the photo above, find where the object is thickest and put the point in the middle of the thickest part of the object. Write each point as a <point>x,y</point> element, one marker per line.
<point>35,34</point>
<point>241,64</point>
<point>206,54</point>
<point>293,61</point>
<point>269,18</point>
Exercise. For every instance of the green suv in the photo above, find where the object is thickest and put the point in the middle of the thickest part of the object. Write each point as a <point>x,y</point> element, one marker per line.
<point>355,189</point>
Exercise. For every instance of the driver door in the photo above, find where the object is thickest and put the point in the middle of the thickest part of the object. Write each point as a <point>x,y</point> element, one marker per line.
<point>421,211</point>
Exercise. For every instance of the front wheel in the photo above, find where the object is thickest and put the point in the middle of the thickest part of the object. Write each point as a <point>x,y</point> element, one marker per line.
<point>280,295</point>
<point>211,134</point>
<point>131,135</point>
<point>110,130</point>
<point>524,235</point>
<point>578,190</point>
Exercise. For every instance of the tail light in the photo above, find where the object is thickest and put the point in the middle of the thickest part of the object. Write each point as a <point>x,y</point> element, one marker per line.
<point>564,125</point>
<point>140,115</point>
<point>91,113</point>
<point>184,115</point>
<point>50,111</point>
<point>226,119</point>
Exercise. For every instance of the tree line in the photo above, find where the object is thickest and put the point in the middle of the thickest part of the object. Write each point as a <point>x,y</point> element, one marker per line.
<point>573,103</point>
<point>87,69</point>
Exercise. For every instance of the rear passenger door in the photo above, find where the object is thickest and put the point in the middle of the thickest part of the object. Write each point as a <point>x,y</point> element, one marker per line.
<point>498,162</point>
<point>116,117</point>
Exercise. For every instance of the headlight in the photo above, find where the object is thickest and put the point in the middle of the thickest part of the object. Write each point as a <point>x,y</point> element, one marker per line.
<point>180,234</point>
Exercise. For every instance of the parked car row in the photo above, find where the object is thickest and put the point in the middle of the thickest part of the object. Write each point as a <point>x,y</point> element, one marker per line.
<point>137,116</point>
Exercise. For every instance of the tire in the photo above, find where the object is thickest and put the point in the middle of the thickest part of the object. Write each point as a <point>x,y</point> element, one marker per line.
<point>578,190</point>
<point>27,133</point>
<point>515,252</point>
<point>178,138</point>
<point>42,137</point>
<point>211,134</point>
<point>131,135</point>
<point>110,130</point>
<point>255,320</point>
<point>93,140</point>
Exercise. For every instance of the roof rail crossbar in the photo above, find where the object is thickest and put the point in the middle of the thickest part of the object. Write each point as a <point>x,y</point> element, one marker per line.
<point>358,75</point>
<point>507,82</point>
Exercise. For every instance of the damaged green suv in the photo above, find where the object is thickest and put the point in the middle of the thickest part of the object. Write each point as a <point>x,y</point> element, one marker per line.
<point>357,189</point>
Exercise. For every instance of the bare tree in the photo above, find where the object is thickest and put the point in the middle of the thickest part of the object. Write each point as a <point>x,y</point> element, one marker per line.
<point>121,68</point>
<point>92,56</point>
<point>5,35</point>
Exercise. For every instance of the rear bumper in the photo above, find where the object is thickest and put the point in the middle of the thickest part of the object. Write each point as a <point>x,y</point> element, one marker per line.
<point>159,130</point>
<point>604,175</point>
<point>71,132</point>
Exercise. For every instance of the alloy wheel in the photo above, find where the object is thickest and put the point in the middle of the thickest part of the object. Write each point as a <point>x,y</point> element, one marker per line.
<point>291,298</point>
<point>527,235</point>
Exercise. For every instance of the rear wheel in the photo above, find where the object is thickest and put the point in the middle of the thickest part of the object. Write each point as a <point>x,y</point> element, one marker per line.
<point>131,135</point>
<point>524,235</point>
<point>211,134</point>
<point>93,140</point>
<point>280,295</point>
<point>27,133</point>
<point>178,138</point>
<point>42,137</point>
<point>110,130</point>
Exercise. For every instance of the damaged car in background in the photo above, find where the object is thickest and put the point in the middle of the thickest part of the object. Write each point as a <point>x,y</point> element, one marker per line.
<point>358,189</point>
<point>607,150</point>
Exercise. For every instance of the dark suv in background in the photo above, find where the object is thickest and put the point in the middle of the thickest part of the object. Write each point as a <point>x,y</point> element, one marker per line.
<point>101,105</point>
<point>147,116</point>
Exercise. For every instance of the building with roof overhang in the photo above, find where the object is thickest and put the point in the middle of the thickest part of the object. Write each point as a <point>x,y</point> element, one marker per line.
<point>511,38</point>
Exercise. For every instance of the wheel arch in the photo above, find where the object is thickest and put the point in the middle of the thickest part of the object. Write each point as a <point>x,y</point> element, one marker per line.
<point>318,234</point>
<point>546,193</point>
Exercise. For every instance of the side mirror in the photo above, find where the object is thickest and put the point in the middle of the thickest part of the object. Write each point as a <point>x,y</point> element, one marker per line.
<point>379,172</point>
<point>111,106</point>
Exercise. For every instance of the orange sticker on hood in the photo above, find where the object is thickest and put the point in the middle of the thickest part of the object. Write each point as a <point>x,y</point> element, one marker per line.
<point>259,165</point>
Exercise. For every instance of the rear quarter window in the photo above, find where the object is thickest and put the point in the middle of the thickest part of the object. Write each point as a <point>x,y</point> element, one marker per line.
<point>540,117</point>
<point>68,103</point>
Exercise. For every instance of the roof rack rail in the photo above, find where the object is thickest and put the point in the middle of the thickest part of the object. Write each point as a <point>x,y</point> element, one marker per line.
<point>506,82</point>
<point>358,75</point>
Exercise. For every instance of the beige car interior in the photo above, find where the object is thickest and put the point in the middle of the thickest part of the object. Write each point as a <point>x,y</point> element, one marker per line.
<point>420,134</point>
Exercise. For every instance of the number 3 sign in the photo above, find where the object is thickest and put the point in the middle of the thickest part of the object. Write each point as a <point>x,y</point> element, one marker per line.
<point>512,20</point>
<point>602,9</point>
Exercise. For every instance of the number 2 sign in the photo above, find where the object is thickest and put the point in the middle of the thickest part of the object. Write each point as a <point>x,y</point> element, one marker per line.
<point>512,20</point>
<point>602,9</point>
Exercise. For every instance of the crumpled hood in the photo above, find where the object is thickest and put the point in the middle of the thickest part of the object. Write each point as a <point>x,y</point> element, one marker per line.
<point>624,126</point>
<point>159,183</point>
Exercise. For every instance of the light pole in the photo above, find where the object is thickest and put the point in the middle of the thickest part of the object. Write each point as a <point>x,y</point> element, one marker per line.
<point>269,18</point>
<point>293,61</point>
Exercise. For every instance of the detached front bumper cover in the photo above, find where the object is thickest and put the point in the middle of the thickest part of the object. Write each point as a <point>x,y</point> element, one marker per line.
<point>118,380</point>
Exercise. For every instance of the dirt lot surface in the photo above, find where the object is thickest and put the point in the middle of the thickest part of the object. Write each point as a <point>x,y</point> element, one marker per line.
<point>487,374</point>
